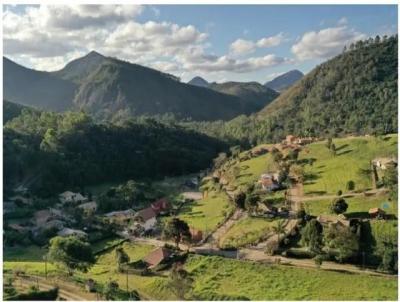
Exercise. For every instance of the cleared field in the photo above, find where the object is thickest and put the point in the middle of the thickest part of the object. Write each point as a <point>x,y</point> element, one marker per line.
<point>219,278</point>
<point>357,204</point>
<point>206,213</point>
<point>246,231</point>
<point>330,173</point>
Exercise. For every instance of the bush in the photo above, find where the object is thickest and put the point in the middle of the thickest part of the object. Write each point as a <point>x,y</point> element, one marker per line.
<point>350,186</point>
<point>299,253</point>
<point>49,295</point>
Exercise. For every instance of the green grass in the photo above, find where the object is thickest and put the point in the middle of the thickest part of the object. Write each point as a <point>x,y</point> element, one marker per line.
<point>356,204</point>
<point>105,243</point>
<point>205,214</point>
<point>246,231</point>
<point>24,253</point>
<point>227,279</point>
<point>331,173</point>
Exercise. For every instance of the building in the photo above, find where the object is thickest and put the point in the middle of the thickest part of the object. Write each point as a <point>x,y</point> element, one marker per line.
<point>42,217</point>
<point>328,220</point>
<point>121,217</point>
<point>157,256</point>
<point>269,182</point>
<point>146,218</point>
<point>376,213</point>
<point>290,139</point>
<point>65,232</point>
<point>384,163</point>
<point>161,206</point>
<point>71,197</point>
<point>89,207</point>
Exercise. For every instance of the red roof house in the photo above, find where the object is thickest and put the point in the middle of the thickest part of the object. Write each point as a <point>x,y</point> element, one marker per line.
<point>157,256</point>
<point>196,235</point>
<point>160,205</point>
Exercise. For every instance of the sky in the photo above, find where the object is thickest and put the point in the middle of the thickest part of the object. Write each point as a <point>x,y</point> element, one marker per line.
<point>217,42</point>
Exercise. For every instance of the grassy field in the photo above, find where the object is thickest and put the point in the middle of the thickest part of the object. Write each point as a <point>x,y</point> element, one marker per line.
<point>206,213</point>
<point>330,173</point>
<point>227,279</point>
<point>28,253</point>
<point>246,231</point>
<point>357,204</point>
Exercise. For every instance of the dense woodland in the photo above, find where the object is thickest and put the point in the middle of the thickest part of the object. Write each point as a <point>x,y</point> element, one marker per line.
<point>55,151</point>
<point>353,93</point>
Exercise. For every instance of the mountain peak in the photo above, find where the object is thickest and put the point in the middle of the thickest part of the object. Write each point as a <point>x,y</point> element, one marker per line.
<point>93,54</point>
<point>284,81</point>
<point>199,81</point>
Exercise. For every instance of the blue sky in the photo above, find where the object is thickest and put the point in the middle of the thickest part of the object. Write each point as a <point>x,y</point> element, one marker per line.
<point>218,42</point>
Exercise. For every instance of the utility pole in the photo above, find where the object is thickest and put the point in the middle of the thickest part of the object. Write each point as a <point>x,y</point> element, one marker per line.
<point>45,265</point>
<point>127,284</point>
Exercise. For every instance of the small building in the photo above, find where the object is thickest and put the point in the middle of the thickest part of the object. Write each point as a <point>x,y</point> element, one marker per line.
<point>328,220</point>
<point>192,196</point>
<point>146,218</point>
<point>71,197</point>
<point>157,256</point>
<point>161,206</point>
<point>41,217</point>
<point>269,182</point>
<point>376,213</point>
<point>384,163</point>
<point>89,207</point>
<point>196,235</point>
<point>290,139</point>
<point>65,232</point>
<point>121,217</point>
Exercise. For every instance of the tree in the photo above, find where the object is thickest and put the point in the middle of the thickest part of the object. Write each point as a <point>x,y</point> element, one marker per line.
<point>180,282</point>
<point>343,241</point>
<point>72,253</point>
<point>279,229</point>
<point>252,201</point>
<point>297,172</point>
<point>390,177</point>
<point>177,229</point>
<point>339,206</point>
<point>311,236</point>
<point>387,250</point>
<point>240,199</point>
<point>235,151</point>
<point>121,257</point>
<point>110,290</point>
<point>350,186</point>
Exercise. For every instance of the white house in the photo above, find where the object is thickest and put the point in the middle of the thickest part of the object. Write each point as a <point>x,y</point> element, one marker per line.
<point>65,232</point>
<point>88,207</point>
<point>146,218</point>
<point>71,197</point>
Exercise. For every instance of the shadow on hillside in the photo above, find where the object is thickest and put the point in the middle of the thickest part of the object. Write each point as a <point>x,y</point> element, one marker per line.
<point>344,152</point>
<point>342,147</point>
<point>306,161</point>
<point>316,193</point>
<point>243,175</point>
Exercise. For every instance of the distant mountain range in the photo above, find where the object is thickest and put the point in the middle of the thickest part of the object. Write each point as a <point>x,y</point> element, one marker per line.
<point>111,88</point>
<point>284,81</point>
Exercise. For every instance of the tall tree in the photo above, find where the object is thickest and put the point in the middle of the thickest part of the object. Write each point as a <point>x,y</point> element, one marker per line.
<point>178,230</point>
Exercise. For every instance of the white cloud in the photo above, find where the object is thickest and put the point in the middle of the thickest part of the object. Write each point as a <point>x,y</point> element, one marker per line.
<point>241,47</point>
<point>343,21</point>
<point>325,43</point>
<point>271,41</point>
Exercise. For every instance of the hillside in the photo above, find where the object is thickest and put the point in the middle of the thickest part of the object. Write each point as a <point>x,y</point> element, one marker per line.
<point>199,81</point>
<point>355,92</point>
<point>251,92</point>
<point>284,81</point>
<point>110,88</point>
<point>11,110</point>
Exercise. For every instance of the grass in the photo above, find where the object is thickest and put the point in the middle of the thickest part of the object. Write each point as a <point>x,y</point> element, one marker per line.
<point>207,213</point>
<point>330,173</point>
<point>246,231</point>
<point>357,204</point>
<point>26,253</point>
<point>219,278</point>
<point>105,243</point>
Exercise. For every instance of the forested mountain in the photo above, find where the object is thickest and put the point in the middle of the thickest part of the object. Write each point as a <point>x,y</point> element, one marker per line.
<point>69,150</point>
<point>353,93</point>
<point>284,81</point>
<point>199,81</point>
<point>36,88</point>
<point>110,88</point>
<point>251,92</point>
<point>12,110</point>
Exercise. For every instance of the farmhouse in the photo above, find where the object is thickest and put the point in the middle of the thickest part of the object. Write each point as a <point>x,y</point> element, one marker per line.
<point>161,206</point>
<point>120,217</point>
<point>187,196</point>
<point>376,213</point>
<point>71,197</point>
<point>43,216</point>
<point>65,232</point>
<point>146,218</point>
<point>157,256</point>
<point>338,221</point>
<point>269,182</point>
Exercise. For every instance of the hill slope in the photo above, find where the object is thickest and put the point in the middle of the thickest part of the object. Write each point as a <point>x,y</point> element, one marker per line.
<point>251,92</point>
<point>355,92</point>
<point>199,81</point>
<point>285,80</point>
<point>108,87</point>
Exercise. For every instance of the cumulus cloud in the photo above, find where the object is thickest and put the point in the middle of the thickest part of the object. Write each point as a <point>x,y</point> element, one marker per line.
<point>271,41</point>
<point>242,47</point>
<point>325,43</point>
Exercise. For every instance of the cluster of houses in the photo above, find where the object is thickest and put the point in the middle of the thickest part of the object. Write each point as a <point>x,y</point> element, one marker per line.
<point>295,140</point>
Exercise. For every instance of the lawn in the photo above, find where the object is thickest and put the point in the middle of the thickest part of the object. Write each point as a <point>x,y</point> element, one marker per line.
<point>246,231</point>
<point>329,173</point>
<point>356,204</point>
<point>219,278</point>
<point>24,253</point>
<point>205,214</point>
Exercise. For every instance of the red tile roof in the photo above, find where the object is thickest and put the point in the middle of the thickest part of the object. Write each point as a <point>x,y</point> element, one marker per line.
<point>156,256</point>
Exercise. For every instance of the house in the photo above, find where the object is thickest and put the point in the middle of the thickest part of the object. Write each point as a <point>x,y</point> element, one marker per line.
<point>290,139</point>
<point>384,163</point>
<point>187,196</point>
<point>328,220</point>
<point>53,224</point>
<point>146,218</point>
<point>376,213</point>
<point>269,182</point>
<point>65,232</point>
<point>157,256</point>
<point>89,207</point>
<point>121,217</point>
<point>71,197</point>
<point>196,235</point>
<point>161,206</point>
<point>43,216</point>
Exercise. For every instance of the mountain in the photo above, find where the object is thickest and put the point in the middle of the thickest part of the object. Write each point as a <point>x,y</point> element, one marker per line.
<point>355,92</point>
<point>284,81</point>
<point>35,88</point>
<point>12,110</point>
<point>111,88</point>
<point>199,81</point>
<point>251,92</point>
